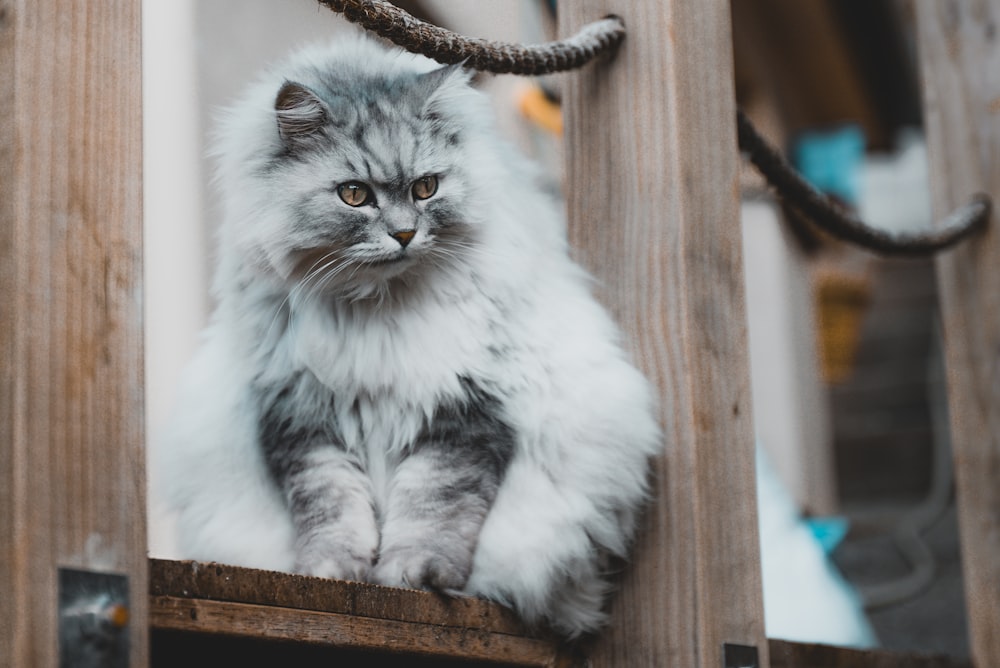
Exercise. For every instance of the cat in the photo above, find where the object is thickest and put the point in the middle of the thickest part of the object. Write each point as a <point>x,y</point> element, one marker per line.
<point>405,379</point>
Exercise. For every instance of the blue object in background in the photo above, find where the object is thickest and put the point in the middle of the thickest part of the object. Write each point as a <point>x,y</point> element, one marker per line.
<point>829,531</point>
<point>830,160</point>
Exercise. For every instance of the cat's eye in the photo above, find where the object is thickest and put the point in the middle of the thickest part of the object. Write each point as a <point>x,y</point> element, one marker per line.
<point>425,187</point>
<point>354,193</point>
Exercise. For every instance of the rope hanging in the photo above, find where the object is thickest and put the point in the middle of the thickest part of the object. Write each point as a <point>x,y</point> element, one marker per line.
<point>403,29</point>
<point>604,36</point>
<point>817,207</point>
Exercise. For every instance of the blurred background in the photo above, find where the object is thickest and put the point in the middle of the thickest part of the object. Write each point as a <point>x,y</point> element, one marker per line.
<point>859,539</point>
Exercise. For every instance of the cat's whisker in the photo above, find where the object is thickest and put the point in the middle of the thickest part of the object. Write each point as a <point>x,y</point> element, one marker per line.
<point>299,292</point>
<point>327,275</point>
<point>312,284</point>
<point>330,277</point>
<point>325,270</point>
<point>442,256</point>
<point>277,314</point>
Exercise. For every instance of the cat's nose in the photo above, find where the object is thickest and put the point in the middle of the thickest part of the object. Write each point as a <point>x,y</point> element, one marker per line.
<point>403,237</point>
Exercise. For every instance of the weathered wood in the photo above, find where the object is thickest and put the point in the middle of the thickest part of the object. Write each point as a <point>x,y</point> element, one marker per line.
<point>960,55</point>
<point>348,631</point>
<point>228,600</point>
<point>807,655</point>
<point>71,432</point>
<point>653,206</point>
<point>219,582</point>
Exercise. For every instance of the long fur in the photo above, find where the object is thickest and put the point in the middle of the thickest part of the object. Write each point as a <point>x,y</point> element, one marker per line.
<point>457,415</point>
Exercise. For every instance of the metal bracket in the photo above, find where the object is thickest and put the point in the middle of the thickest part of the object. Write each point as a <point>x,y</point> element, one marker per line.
<point>739,656</point>
<point>93,619</point>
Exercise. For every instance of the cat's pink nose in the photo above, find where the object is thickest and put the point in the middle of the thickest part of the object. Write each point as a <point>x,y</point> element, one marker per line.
<point>404,237</point>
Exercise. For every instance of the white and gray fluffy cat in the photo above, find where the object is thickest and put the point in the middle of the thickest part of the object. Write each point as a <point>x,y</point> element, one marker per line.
<point>406,379</point>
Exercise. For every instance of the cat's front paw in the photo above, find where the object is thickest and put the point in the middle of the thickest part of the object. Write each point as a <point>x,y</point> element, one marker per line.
<point>336,562</point>
<point>423,568</point>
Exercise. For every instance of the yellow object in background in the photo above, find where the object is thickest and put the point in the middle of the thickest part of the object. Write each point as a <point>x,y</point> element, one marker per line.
<point>842,300</point>
<point>542,111</point>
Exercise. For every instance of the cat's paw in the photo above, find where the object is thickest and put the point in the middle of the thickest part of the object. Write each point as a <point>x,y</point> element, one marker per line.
<point>422,567</point>
<point>336,562</point>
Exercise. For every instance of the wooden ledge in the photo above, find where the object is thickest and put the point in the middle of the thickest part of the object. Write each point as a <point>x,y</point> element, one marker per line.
<point>217,599</point>
<point>785,654</point>
<point>201,601</point>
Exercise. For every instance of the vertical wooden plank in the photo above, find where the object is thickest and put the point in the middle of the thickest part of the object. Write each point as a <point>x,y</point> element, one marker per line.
<point>71,438</point>
<point>653,203</point>
<point>960,60</point>
<point>11,652</point>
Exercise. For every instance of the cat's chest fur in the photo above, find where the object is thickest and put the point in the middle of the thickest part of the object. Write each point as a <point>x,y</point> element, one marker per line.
<point>387,366</point>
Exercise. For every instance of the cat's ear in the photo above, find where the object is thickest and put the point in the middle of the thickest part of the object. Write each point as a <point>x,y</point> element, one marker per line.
<point>457,74</point>
<point>442,85</point>
<point>300,113</point>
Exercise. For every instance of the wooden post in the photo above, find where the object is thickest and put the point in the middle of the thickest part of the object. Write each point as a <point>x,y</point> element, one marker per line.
<point>653,203</point>
<point>960,55</point>
<point>72,474</point>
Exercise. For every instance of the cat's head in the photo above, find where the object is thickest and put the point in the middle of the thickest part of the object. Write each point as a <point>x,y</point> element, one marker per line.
<point>361,174</point>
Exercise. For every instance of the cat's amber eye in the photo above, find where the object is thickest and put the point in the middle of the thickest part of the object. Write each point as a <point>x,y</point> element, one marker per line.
<point>425,187</point>
<point>354,193</point>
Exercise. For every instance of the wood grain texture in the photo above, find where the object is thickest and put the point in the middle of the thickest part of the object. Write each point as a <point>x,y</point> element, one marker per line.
<point>228,600</point>
<point>219,582</point>
<point>807,655</point>
<point>653,205</point>
<point>960,59</point>
<point>72,469</point>
<point>346,631</point>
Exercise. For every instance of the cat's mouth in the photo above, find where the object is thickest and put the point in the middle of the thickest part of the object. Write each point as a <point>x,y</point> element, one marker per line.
<point>396,258</point>
<point>389,266</point>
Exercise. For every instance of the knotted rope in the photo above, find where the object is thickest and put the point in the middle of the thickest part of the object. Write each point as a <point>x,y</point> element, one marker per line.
<point>604,36</point>
<point>822,211</point>
<point>444,46</point>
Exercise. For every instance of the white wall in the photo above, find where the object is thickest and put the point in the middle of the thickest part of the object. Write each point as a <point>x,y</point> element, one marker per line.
<point>174,263</point>
<point>791,415</point>
<point>174,239</point>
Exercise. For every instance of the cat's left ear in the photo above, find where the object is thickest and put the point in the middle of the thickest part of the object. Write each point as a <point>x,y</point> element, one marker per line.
<point>457,74</point>
<point>442,84</point>
<point>300,113</point>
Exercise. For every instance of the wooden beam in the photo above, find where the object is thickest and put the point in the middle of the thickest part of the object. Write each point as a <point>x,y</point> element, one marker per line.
<point>960,52</point>
<point>786,654</point>
<point>653,204</point>
<point>216,599</point>
<point>72,474</point>
<point>235,584</point>
<point>345,631</point>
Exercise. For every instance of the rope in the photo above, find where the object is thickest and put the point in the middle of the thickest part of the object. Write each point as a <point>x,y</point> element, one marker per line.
<point>604,36</point>
<point>800,195</point>
<point>444,46</point>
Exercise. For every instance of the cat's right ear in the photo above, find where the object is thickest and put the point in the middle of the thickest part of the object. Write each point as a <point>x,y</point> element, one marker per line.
<point>300,114</point>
